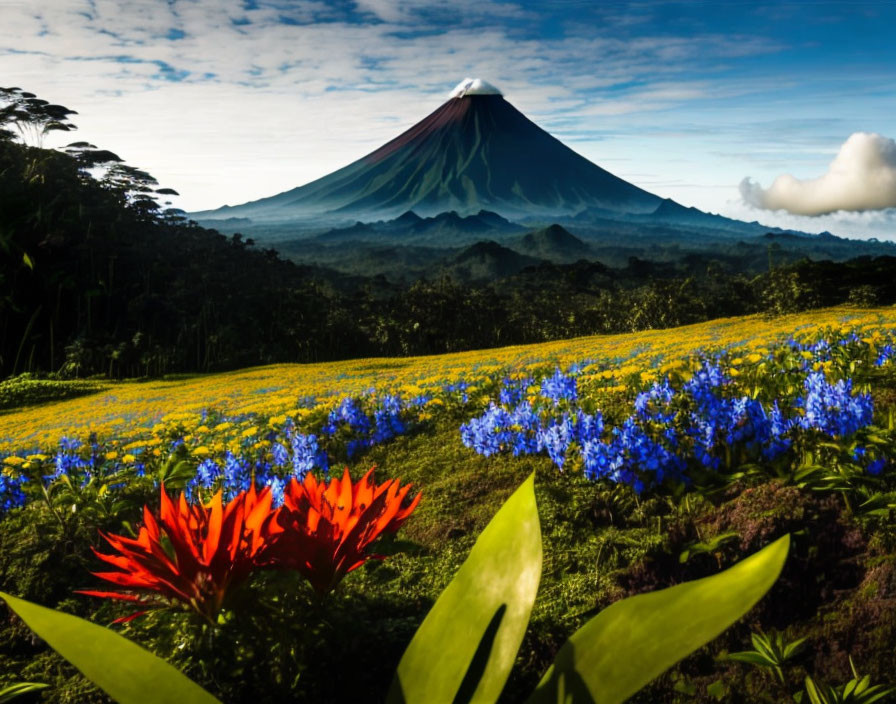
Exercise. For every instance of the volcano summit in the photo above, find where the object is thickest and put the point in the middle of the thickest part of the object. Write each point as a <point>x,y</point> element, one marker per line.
<point>474,152</point>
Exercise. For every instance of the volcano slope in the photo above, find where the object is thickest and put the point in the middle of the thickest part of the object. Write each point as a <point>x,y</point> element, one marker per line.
<point>475,151</point>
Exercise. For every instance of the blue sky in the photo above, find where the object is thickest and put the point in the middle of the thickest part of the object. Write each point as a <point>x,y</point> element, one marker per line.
<point>232,100</point>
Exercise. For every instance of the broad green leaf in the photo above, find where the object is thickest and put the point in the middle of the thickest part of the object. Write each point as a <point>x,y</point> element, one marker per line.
<point>466,646</point>
<point>121,668</point>
<point>7,694</point>
<point>633,641</point>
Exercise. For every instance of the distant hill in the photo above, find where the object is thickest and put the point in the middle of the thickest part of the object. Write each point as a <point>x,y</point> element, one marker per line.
<point>486,261</point>
<point>554,243</point>
<point>445,229</point>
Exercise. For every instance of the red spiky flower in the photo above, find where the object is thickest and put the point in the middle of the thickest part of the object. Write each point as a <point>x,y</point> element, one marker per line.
<point>193,555</point>
<point>328,528</point>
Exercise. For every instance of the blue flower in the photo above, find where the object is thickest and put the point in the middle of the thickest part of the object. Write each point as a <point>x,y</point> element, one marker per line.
<point>555,439</point>
<point>489,432</point>
<point>884,355</point>
<point>280,454</point>
<point>236,473</point>
<point>207,474</point>
<point>832,408</point>
<point>11,494</point>
<point>306,454</point>
<point>559,387</point>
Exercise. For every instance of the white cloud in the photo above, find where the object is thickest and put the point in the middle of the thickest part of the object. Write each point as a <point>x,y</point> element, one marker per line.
<point>862,177</point>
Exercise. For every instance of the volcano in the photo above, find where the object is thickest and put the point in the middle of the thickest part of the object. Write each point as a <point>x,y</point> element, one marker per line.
<point>474,152</point>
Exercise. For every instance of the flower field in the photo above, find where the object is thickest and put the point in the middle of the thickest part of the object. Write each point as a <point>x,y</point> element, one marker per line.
<point>660,457</point>
<point>132,411</point>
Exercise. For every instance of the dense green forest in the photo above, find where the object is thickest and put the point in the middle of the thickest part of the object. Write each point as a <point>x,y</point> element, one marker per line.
<point>99,276</point>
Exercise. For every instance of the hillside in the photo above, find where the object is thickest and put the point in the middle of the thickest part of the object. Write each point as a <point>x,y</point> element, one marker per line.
<point>127,407</point>
<point>426,420</point>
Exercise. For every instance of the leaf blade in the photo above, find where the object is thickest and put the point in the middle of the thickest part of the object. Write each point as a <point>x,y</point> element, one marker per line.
<point>635,640</point>
<point>124,670</point>
<point>486,605</point>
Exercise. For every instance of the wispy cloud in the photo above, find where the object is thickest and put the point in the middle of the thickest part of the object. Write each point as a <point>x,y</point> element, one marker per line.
<point>230,100</point>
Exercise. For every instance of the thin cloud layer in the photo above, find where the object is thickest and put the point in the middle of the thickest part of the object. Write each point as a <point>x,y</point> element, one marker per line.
<point>232,100</point>
<point>862,177</point>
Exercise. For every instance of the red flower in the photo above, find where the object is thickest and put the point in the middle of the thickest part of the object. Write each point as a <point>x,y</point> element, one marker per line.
<point>327,529</point>
<point>194,555</point>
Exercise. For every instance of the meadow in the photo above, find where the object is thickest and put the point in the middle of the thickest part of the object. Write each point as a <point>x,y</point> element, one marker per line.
<point>659,456</point>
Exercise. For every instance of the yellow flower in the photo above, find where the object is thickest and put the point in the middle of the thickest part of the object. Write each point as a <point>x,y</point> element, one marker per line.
<point>129,459</point>
<point>201,451</point>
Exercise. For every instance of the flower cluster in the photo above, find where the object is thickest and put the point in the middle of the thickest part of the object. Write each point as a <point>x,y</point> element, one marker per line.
<point>833,409</point>
<point>630,457</point>
<point>359,430</point>
<point>327,528</point>
<point>306,453</point>
<point>195,555</point>
<point>560,387</point>
<point>885,354</point>
<point>198,556</point>
<point>704,422</point>
<point>11,494</point>
<point>512,391</point>
<point>295,454</point>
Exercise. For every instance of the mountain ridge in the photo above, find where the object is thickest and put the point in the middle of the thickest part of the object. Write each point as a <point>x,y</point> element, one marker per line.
<point>474,152</point>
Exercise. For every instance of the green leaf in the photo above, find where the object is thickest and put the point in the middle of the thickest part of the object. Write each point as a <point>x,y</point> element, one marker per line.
<point>7,694</point>
<point>752,658</point>
<point>816,696</point>
<point>633,641</point>
<point>121,668</point>
<point>876,693</point>
<point>28,261</point>
<point>793,648</point>
<point>466,646</point>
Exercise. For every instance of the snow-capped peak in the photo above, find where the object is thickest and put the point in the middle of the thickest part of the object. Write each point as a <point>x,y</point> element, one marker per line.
<point>474,86</point>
